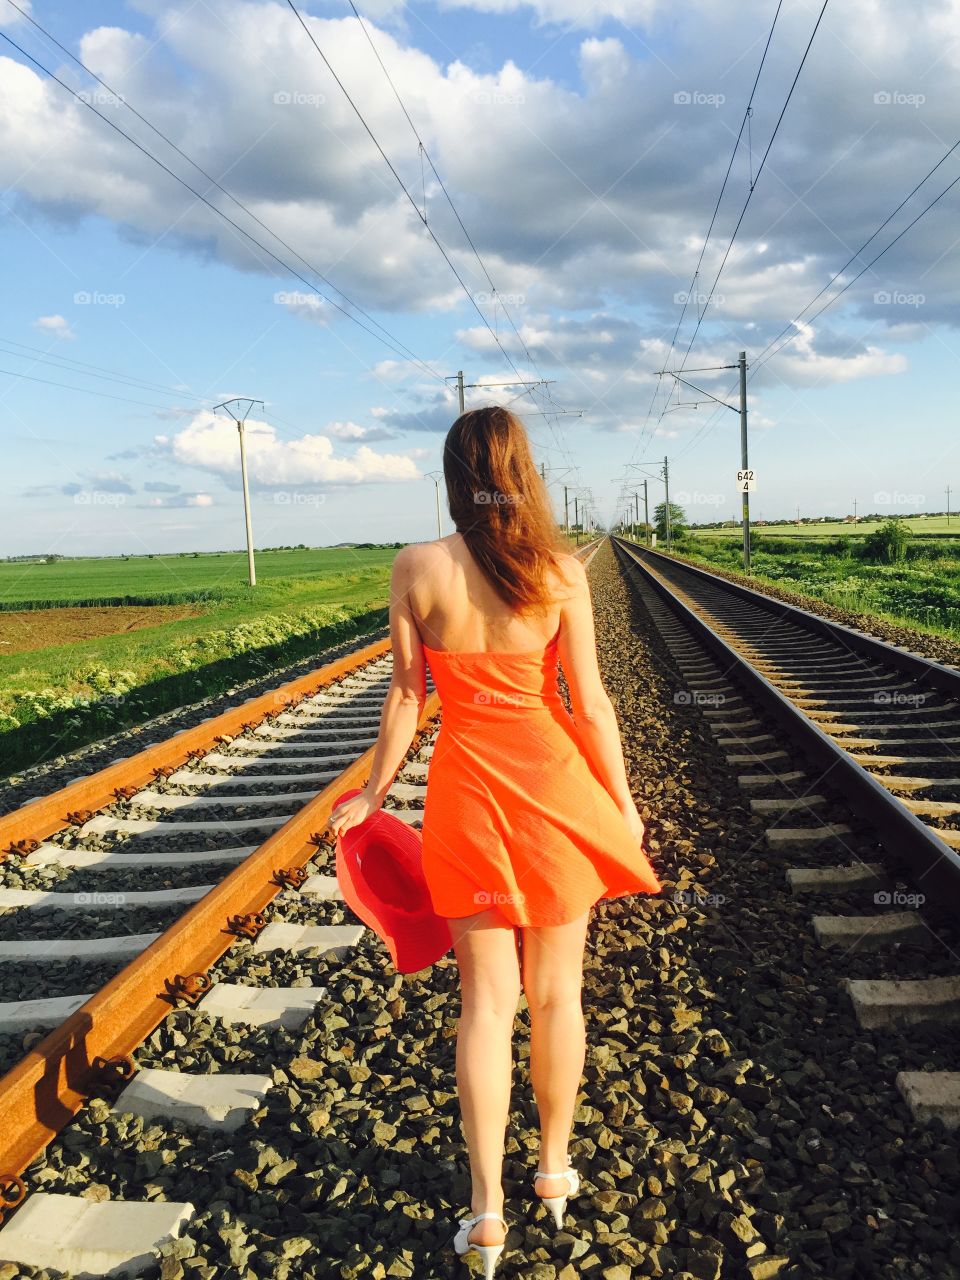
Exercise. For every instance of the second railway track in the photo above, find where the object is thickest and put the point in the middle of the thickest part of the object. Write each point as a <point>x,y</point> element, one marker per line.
<point>293,1112</point>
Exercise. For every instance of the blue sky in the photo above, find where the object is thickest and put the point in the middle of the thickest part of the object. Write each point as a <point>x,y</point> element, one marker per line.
<point>586,181</point>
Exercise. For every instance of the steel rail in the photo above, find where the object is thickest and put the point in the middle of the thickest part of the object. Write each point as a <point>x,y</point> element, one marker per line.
<point>20,829</point>
<point>901,831</point>
<point>944,678</point>
<point>43,1092</point>
<point>91,1049</point>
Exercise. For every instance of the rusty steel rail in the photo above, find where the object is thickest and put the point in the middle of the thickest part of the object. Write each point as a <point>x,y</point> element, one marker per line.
<point>91,1049</point>
<point>21,829</point>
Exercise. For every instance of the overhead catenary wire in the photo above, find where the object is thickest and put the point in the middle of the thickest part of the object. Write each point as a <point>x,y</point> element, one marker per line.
<point>421,214</point>
<point>645,433</point>
<point>425,154</point>
<point>746,204</point>
<point>403,186</point>
<point>66,364</point>
<point>753,185</point>
<point>311,284</point>
<point>764,358</point>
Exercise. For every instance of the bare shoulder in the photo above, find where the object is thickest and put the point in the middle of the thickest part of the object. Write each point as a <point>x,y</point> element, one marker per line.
<point>570,573</point>
<point>415,555</point>
<point>420,562</point>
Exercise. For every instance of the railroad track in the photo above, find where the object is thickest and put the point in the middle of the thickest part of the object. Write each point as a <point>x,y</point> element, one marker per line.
<point>136,880</point>
<point>821,719</point>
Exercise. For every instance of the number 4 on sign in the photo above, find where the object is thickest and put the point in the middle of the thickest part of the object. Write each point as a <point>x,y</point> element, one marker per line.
<point>747,481</point>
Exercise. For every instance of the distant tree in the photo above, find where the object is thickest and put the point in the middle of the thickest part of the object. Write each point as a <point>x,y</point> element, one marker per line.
<point>678,519</point>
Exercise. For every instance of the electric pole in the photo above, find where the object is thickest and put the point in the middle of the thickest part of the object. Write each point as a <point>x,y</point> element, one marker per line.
<point>239,409</point>
<point>436,477</point>
<point>646,517</point>
<point>566,513</point>
<point>666,501</point>
<point>744,463</point>
<point>854,511</point>
<point>948,504</point>
<point>745,478</point>
<point>460,388</point>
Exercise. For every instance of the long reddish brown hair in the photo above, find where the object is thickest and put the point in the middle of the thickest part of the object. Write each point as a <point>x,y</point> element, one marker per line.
<point>499,504</point>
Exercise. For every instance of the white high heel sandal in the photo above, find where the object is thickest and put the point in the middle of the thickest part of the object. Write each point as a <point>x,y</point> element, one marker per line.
<point>488,1252</point>
<point>557,1204</point>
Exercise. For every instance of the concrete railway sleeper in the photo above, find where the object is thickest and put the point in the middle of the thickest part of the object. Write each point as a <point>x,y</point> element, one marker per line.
<point>291,1113</point>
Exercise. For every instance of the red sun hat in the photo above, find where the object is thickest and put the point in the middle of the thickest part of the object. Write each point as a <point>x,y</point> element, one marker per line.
<point>380,873</point>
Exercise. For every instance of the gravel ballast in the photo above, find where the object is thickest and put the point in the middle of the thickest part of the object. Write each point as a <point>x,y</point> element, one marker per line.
<point>734,1124</point>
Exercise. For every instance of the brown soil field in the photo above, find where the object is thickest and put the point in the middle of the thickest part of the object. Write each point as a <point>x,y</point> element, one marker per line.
<point>44,628</point>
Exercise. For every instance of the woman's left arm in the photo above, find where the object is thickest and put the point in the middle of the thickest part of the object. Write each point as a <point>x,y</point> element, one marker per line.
<point>401,707</point>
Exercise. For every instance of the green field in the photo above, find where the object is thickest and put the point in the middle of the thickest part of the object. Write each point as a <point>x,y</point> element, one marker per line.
<point>56,695</point>
<point>922,591</point>
<point>932,526</point>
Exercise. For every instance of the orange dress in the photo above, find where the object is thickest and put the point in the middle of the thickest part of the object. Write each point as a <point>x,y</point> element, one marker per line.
<point>515,816</point>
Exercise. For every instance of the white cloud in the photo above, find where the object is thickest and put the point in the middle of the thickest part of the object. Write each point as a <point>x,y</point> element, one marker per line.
<point>9,16</point>
<point>57,325</point>
<point>181,500</point>
<point>588,198</point>
<point>210,443</point>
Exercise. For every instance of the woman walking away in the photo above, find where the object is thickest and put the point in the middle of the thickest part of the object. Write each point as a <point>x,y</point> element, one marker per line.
<point>528,819</point>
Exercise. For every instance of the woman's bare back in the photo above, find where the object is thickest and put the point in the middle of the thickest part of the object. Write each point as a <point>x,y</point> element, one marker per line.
<point>457,609</point>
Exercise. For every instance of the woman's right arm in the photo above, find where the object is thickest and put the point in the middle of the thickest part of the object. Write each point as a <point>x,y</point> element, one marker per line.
<point>593,713</point>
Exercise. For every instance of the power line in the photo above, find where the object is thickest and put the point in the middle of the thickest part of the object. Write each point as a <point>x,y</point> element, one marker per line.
<point>420,214</point>
<point>69,365</point>
<point>726,177</point>
<point>763,358</point>
<point>829,303</point>
<point>209,177</point>
<point>425,153</point>
<point>746,205</point>
<point>403,353</point>
<point>753,185</point>
<point>696,274</point>
<point>91,392</point>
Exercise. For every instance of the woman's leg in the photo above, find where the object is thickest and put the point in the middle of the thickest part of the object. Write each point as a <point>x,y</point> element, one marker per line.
<point>485,947</point>
<point>552,983</point>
